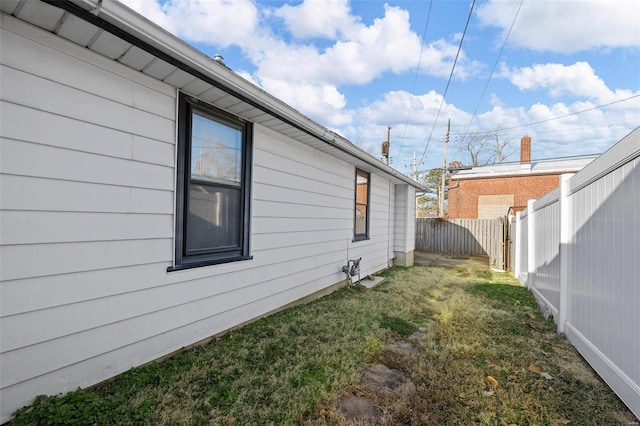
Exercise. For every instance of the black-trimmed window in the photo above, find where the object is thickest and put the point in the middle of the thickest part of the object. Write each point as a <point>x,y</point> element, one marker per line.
<point>361,213</point>
<point>213,183</point>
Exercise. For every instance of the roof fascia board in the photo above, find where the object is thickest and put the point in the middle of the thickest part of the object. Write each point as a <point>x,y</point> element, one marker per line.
<point>509,175</point>
<point>530,169</point>
<point>118,19</point>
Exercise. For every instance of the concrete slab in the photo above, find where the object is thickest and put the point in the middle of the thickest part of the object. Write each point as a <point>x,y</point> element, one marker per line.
<point>442,259</point>
<point>370,282</point>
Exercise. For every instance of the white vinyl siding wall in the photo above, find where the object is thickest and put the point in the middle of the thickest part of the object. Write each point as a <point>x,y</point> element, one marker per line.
<point>405,223</point>
<point>87,223</point>
<point>87,216</point>
<point>374,251</point>
<point>392,218</point>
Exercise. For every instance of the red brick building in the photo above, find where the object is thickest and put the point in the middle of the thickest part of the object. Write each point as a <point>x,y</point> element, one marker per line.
<point>492,191</point>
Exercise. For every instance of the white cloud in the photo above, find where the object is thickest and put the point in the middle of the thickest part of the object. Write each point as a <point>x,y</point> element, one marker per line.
<point>154,12</point>
<point>313,100</point>
<point>317,18</point>
<point>306,75</point>
<point>401,107</point>
<point>495,100</point>
<point>360,53</point>
<point>566,25</point>
<point>309,73</point>
<point>564,129</point>
<point>411,118</point>
<point>388,44</point>
<point>579,80</point>
<point>438,57</point>
<point>217,22</point>
<point>579,133</point>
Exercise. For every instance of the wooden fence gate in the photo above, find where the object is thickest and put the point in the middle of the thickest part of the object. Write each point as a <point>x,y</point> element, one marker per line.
<point>475,237</point>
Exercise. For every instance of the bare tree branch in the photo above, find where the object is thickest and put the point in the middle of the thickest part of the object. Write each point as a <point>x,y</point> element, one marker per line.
<point>486,148</point>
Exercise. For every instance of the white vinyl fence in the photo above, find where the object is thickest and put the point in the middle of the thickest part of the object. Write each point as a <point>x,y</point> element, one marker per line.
<point>578,251</point>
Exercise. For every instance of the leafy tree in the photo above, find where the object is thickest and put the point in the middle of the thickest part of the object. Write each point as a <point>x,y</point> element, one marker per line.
<point>428,203</point>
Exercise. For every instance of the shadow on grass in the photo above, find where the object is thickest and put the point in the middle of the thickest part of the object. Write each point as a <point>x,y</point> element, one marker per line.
<point>505,293</point>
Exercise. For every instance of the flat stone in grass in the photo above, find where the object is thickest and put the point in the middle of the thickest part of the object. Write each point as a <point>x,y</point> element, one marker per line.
<point>381,376</point>
<point>418,336</point>
<point>404,347</point>
<point>355,408</point>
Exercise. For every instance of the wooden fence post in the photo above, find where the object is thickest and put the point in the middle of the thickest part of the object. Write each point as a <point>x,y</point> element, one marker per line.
<point>565,249</point>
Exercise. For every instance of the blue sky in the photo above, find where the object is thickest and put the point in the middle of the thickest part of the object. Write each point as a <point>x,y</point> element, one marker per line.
<point>359,66</point>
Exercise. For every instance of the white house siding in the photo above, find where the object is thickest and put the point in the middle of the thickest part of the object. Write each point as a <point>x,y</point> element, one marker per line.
<point>405,224</point>
<point>410,214</point>
<point>391,224</point>
<point>374,251</point>
<point>87,173</point>
<point>87,210</point>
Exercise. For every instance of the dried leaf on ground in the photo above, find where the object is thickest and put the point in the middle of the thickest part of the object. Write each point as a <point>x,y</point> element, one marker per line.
<point>535,368</point>
<point>491,381</point>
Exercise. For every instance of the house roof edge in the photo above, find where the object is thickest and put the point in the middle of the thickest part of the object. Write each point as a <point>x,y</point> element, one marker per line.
<point>125,19</point>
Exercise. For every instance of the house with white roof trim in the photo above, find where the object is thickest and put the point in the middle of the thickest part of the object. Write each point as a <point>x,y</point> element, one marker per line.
<point>152,198</point>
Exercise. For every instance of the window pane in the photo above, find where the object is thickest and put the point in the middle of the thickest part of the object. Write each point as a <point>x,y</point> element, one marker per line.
<point>361,219</point>
<point>216,151</point>
<point>362,203</point>
<point>362,188</point>
<point>213,217</point>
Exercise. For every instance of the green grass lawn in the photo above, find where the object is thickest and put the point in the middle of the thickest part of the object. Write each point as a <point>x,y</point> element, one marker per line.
<point>292,367</point>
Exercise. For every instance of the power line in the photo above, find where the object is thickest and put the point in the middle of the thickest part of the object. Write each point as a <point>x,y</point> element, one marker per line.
<point>448,81</point>
<point>415,79</point>
<point>484,90</point>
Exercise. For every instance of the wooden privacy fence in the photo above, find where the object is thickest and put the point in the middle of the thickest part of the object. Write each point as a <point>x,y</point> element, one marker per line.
<point>476,237</point>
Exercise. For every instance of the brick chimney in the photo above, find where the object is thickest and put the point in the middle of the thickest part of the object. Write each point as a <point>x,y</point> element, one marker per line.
<point>525,150</point>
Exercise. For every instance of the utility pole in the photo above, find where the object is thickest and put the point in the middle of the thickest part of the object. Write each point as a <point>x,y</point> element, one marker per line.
<point>385,147</point>
<point>415,173</point>
<point>444,172</point>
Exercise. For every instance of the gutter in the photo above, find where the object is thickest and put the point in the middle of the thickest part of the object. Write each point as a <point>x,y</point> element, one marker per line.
<point>117,19</point>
